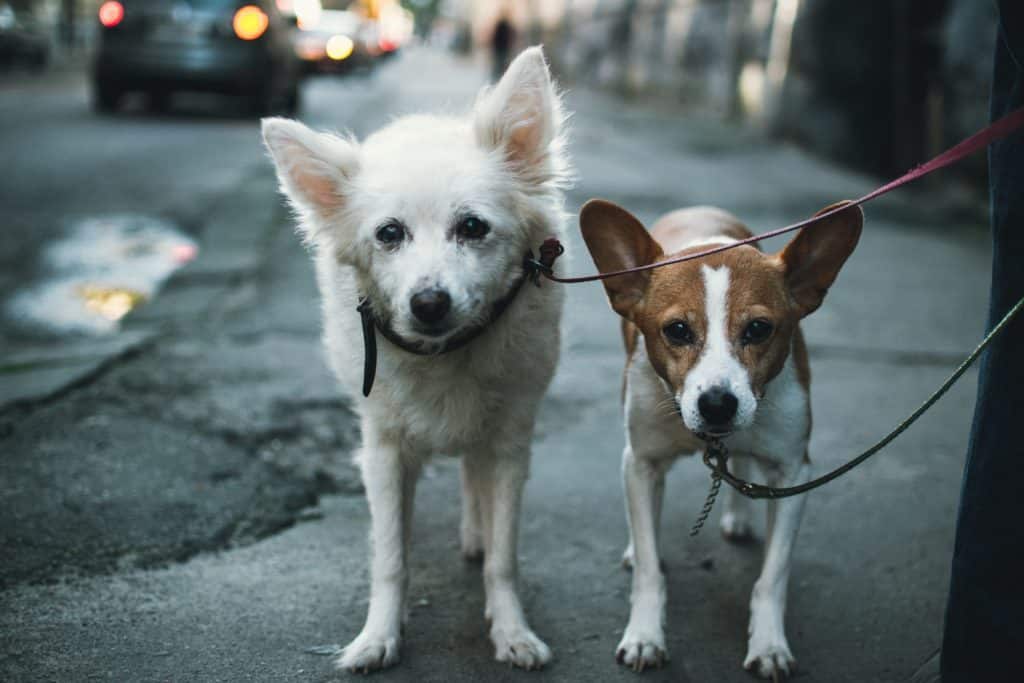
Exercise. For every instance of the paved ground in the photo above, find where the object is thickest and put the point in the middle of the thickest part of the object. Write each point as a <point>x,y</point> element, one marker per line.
<point>176,502</point>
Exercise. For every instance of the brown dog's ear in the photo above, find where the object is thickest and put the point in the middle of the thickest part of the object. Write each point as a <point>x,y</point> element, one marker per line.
<point>813,258</point>
<point>617,241</point>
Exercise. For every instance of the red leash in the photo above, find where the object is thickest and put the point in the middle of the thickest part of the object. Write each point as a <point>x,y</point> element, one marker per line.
<point>983,138</point>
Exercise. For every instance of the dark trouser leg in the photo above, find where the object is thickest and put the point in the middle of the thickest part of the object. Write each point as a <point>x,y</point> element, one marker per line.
<point>984,634</point>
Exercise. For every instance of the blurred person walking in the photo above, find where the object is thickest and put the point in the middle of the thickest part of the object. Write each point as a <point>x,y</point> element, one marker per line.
<point>984,631</point>
<point>502,40</point>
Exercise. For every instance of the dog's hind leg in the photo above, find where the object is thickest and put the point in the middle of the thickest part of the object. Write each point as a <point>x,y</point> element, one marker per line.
<point>768,652</point>
<point>390,482</point>
<point>498,477</point>
<point>736,523</point>
<point>643,643</point>
<point>470,530</point>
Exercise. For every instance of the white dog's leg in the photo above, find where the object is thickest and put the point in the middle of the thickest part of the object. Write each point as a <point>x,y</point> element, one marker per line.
<point>410,478</point>
<point>499,477</point>
<point>470,530</point>
<point>736,522</point>
<point>643,643</point>
<point>390,488</point>
<point>768,651</point>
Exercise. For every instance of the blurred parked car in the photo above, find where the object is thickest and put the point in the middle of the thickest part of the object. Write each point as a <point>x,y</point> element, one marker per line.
<point>22,40</point>
<point>239,47</point>
<point>334,41</point>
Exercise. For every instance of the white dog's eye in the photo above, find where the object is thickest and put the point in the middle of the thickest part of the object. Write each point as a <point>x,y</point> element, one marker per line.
<point>391,233</point>
<point>472,228</point>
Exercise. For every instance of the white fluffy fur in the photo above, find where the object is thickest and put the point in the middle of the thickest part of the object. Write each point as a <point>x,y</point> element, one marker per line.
<point>506,164</point>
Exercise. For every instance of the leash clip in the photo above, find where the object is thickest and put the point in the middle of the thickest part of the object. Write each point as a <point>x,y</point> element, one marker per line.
<point>549,253</point>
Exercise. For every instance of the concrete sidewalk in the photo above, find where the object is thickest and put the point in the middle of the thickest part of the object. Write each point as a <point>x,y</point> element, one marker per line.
<point>189,513</point>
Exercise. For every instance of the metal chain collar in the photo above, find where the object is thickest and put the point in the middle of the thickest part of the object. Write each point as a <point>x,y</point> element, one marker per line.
<point>717,450</point>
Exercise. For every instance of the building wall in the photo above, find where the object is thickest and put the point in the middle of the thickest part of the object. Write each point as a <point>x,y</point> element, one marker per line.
<point>879,84</point>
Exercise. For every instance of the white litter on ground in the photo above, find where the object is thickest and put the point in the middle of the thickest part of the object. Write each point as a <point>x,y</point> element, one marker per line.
<point>104,267</point>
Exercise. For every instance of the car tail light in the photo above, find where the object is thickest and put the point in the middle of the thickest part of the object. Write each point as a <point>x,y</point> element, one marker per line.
<point>250,22</point>
<point>111,13</point>
<point>339,47</point>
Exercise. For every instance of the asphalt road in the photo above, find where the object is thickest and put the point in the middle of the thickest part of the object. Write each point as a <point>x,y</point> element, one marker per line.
<point>176,501</point>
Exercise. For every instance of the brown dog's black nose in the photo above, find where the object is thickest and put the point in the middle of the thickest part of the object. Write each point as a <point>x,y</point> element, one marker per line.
<point>430,305</point>
<point>717,406</point>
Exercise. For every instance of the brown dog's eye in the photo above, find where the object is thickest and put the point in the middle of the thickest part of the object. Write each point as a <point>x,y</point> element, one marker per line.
<point>757,331</point>
<point>472,228</point>
<point>678,333</point>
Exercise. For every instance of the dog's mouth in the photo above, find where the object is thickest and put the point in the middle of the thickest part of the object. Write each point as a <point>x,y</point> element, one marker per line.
<point>705,430</point>
<point>432,339</point>
<point>433,332</point>
<point>715,432</point>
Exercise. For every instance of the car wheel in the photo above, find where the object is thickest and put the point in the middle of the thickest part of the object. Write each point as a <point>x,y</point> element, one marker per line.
<point>293,101</point>
<point>261,102</point>
<point>159,101</point>
<point>40,59</point>
<point>105,96</point>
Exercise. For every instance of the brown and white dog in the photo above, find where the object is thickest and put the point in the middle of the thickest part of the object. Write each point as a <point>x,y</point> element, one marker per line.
<point>716,342</point>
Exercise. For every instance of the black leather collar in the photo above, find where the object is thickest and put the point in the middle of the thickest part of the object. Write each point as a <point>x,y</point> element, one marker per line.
<point>372,322</point>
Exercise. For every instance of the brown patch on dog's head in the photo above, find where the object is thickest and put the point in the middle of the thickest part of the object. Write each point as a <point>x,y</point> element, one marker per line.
<point>617,241</point>
<point>813,258</point>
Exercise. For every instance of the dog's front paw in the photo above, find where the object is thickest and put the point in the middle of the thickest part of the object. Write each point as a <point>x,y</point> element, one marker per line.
<point>769,659</point>
<point>520,647</point>
<point>641,651</point>
<point>472,546</point>
<point>736,528</point>
<point>627,557</point>
<point>369,652</point>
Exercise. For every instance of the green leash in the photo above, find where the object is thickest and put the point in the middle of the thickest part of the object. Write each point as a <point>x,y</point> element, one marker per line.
<point>715,455</point>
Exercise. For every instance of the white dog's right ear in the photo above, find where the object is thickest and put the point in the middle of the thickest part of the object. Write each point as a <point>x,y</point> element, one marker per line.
<point>521,115</point>
<point>313,168</point>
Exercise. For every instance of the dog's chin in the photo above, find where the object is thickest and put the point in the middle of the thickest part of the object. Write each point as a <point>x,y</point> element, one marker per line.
<point>716,432</point>
<point>432,333</point>
<point>430,338</point>
<point>721,431</point>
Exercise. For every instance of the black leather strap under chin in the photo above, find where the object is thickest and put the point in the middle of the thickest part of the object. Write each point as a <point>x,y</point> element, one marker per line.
<point>372,323</point>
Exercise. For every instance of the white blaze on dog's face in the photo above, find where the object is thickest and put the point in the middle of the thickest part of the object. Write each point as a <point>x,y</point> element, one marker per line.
<point>435,213</point>
<point>717,329</point>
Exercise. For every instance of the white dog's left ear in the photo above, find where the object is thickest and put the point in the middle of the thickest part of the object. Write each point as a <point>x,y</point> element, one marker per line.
<point>314,169</point>
<point>521,115</point>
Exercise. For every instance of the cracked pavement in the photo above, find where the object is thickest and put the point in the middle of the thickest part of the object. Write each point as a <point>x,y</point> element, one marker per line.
<point>178,503</point>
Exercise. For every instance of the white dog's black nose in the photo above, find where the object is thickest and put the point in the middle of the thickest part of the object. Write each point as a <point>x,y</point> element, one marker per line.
<point>430,306</point>
<point>717,406</point>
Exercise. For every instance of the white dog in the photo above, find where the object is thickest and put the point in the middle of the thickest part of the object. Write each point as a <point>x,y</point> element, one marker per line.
<point>427,223</point>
